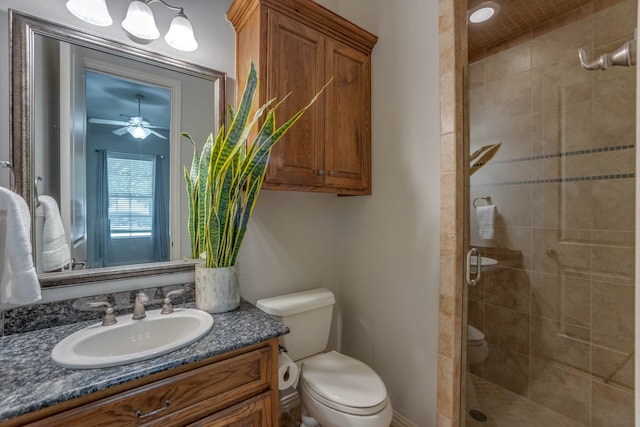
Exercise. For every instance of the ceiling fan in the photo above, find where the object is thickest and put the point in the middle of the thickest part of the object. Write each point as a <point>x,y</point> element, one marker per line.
<point>137,126</point>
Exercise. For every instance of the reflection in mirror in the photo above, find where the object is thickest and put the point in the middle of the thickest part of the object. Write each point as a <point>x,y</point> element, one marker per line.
<point>97,152</point>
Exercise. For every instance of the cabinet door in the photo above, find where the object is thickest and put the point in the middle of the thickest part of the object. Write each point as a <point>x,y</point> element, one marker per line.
<point>295,67</point>
<point>348,116</point>
<point>255,412</point>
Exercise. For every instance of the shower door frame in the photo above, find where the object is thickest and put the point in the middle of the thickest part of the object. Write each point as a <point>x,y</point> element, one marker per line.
<point>454,204</point>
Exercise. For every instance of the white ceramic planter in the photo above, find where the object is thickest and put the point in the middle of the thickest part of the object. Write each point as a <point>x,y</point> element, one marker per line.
<point>217,289</point>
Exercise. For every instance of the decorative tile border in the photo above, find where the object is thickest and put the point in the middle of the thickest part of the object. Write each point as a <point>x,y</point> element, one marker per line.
<point>559,180</point>
<point>563,154</point>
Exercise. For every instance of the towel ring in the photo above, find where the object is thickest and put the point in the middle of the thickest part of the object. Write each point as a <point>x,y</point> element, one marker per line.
<point>485,198</point>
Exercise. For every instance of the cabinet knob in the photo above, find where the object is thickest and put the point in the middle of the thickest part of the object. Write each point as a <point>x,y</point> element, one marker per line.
<point>332,173</point>
<point>321,172</point>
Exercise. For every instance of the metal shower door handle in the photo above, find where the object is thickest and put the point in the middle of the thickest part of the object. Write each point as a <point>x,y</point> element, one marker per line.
<point>474,252</point>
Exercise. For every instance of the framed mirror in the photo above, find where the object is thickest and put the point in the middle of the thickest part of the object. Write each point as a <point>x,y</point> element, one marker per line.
<point>97,153</point>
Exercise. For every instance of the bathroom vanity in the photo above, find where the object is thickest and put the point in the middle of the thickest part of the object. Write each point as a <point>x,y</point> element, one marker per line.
<point>227,377</point>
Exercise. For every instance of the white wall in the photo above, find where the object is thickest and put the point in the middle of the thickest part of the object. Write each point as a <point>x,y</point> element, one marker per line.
<point>389,242</point>
<point>379,254</point>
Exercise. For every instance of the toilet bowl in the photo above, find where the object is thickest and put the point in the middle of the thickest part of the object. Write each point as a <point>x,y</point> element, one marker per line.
<point>335,390</point>
<point>338,391</point>
<point>477,347</point>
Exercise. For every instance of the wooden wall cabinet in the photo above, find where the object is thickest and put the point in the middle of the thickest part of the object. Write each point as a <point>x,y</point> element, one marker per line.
<point>235,389</point>
<point>298,46</point>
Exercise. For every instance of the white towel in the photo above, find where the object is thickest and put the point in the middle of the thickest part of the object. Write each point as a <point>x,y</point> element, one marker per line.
<point>19,283</point>
<point>55,250</point>
<point>486,217</point>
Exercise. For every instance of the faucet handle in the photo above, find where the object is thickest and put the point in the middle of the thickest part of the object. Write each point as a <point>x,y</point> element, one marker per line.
<point>167,307</point>
<point>109,316</point>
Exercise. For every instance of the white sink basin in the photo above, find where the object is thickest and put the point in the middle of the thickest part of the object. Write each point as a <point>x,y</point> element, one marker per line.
<point>128,341</point>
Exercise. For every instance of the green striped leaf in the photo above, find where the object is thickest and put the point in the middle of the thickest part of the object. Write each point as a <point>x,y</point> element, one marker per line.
<point>225,179</point>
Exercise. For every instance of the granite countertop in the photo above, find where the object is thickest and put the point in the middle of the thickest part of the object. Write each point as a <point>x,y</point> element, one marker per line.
<point>29,380</point>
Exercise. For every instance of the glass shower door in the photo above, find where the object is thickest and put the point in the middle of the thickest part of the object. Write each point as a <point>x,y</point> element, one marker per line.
<point>550,323</point>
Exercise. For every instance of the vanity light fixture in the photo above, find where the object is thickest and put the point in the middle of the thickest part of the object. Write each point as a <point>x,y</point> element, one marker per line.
<point>483,12</point>
<point>92,11</point>
<point>139,23</point>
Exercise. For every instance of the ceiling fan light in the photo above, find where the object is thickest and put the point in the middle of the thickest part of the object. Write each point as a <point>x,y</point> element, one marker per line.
<point>92,11</point>
<point>180,35</point>
<point>139,21</point>
<point>139,132</point>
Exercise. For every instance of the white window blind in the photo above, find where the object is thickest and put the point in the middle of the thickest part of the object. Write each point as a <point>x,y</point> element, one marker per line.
<point>130,180</point>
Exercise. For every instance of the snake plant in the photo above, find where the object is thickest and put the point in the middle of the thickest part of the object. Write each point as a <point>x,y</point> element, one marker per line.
<point>225,178</point>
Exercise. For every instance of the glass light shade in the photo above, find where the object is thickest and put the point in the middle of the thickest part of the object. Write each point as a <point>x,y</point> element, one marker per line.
<point>139,21</point>
<point>138,132</point>
<point>481,15</point>
<point>483,12</point>
<point>180,35</point>
<point>92,11</point>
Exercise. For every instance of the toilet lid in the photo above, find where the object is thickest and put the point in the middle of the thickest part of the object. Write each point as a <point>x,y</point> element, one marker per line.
<point>344,383</point>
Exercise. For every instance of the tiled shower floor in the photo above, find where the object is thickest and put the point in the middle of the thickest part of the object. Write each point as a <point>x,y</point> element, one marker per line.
<point>506,409</point>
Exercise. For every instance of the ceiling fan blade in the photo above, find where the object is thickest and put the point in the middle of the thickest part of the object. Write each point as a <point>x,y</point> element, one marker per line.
<point>156,127</point>
<point>157,134</point>
<point>120,131</point>
<point>107,122</point>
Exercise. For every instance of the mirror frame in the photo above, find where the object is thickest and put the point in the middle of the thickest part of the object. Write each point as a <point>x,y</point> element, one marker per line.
<point>22,31</point>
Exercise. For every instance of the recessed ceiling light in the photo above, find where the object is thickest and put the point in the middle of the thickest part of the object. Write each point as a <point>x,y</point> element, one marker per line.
<point>483,12</point>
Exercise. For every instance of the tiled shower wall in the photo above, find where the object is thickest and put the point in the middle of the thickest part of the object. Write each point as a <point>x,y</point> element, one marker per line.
<point>558,309</point>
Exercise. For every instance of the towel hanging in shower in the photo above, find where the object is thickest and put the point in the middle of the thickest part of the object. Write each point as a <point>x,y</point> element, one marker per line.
<point>486,216</point>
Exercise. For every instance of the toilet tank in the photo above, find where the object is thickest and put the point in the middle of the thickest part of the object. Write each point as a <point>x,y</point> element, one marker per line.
<point>308,316</point>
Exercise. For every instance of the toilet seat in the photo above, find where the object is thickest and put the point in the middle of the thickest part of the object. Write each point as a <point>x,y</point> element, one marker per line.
<point>344,384</point>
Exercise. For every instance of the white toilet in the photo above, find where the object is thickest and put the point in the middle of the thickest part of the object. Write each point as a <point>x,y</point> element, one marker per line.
<point>336,390</point>
<point>477,347</point>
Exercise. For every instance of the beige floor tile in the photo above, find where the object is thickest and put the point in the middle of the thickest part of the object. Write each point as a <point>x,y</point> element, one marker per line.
<point>506,409</point>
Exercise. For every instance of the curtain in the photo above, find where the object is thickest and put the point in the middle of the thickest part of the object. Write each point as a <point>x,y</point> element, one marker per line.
<point>102,233</point>
<point>159,228</point>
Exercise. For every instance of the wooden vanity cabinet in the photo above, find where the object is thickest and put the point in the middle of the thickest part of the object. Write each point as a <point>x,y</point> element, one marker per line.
<point>298,46</point>
<point>234,389</point>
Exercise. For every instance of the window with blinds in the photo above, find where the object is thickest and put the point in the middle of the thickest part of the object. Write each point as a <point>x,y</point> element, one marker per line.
<point>130,179</point>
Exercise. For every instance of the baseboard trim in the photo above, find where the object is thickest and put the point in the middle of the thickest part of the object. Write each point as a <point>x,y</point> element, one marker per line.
<point>399,420</point>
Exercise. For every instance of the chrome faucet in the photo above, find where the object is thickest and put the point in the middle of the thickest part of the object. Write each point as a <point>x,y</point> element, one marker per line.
<point>138,306</point>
